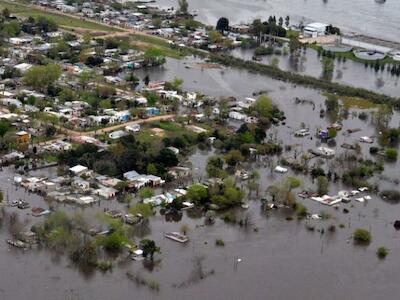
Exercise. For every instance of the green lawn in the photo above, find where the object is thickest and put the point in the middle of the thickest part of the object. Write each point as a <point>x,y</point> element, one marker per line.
<point>62,20</point>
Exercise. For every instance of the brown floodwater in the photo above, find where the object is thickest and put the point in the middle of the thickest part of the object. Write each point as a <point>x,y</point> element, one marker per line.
<point>281,260</point>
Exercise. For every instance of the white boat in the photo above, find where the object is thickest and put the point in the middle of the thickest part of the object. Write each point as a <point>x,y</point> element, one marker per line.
<point>177,237</point>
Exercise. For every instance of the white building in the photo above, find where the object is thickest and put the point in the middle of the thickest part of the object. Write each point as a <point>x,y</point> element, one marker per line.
<point>315,29</point>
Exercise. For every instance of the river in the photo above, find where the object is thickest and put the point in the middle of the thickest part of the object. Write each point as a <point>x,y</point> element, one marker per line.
<point>362,16</point>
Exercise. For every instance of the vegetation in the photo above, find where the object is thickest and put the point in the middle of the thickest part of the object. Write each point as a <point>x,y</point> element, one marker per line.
<point>382,252</point>
<point>332,87</point>
<point>60,19</point>
<point>362,236</point>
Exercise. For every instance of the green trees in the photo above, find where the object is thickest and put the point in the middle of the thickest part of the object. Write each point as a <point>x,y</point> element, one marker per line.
<point>149,247</point>
<point>4,127</point>
<point>146,193</point>
<point>328,67</point>
<point>264,106</point>
<point>233,158</point>
<point>183,7</point>
<point>322,185</point>
<point>362,236</point>
<point>154,56</point>
<point>197,193</point>
<point>41,77</point>
<point>282,191</point>
<point>140,208</point>
<point>222,24</point>
<point>391,154</point>
<point>382,252</point>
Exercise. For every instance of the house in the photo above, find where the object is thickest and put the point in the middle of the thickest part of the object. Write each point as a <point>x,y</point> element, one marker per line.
<point>152,111</point>
<point>366,139</point>
<point>179,172</point>
<point>11,102</point>
<point>78,170</point>
<point>23,67</point>
<point>315,29</point>
<point>324,151</point>
<point>133,128</point>
<point>23,137</point>
<point>117,134</point>
<point>237,116</point>
<point>80,184</point>
<point>106,192</point>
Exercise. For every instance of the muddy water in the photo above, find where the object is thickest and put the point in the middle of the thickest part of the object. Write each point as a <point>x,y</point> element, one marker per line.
<point>282,260</point>
<point>349,72</point>
<point>363,16</point>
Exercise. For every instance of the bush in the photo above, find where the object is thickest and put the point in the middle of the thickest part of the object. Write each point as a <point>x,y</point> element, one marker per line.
<point>362,236</point>
<point>392,196</point>
<point>391,154</point>
<point>219,243</point>
<point>229,217</point>
<point>382,252</point>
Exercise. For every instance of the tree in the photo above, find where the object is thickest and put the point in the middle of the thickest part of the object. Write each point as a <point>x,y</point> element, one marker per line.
<point>6,13</point>
<point>222,24</point>
<point>154,56</point>
<point>215,37</point>
<point>183,7</point>
<point>322,185</point>
<point>149,247</point>
<point>143,209</point>
<point>391,154</point>
<point>233,157</point>
<point>197,193</point>
<point>167,158</point>
<point>146,193</point>
<point>287,21</point>
<point>42,76</point>
<point>327,68</point>
<point>85,77</point>
<point>4,127</point>
<point>264,106</point>
<point>362,236</point>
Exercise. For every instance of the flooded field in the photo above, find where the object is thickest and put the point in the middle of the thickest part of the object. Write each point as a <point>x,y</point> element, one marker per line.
<point>281,259</point>
<point>368,17</point>
<point>348,72</point>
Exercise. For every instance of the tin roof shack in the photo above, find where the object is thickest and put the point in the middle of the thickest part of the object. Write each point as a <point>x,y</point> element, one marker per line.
<point>80,184</point>
<point>325,152</point>
<point>79,170</point>
<point>179,172</point>
<point>106,192</point>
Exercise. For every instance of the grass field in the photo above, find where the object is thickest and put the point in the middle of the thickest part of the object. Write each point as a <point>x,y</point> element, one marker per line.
<point>61,20</point>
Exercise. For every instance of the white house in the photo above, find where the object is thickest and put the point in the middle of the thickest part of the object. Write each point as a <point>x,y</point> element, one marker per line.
<point>315,29</point>
<point>133,128</point>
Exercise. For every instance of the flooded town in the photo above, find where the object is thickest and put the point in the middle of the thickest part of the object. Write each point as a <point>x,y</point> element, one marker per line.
<point>177,149</point>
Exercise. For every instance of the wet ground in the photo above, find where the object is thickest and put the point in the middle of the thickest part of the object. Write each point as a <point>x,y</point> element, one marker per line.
<point>281,260</point>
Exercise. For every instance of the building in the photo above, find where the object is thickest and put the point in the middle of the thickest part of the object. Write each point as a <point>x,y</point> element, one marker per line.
<point>132,128</point>
<point>315,29</point>
<point>23,137</point>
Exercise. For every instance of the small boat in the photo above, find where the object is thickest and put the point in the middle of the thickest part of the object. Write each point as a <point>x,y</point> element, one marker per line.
<point>177,237</point>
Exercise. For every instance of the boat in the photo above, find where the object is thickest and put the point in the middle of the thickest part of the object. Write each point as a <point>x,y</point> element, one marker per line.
<point>177,237</point>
